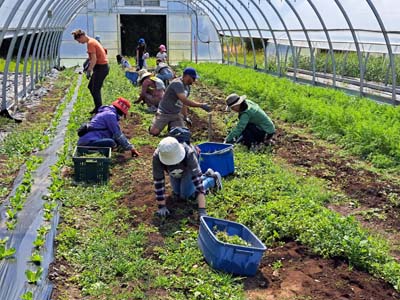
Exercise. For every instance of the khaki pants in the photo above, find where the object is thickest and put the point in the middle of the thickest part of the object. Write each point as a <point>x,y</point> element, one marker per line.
<point>161,120</point>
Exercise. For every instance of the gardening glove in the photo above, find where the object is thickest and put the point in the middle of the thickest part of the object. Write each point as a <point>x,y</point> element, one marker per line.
<point>206,107</point>
<point>88,75</point>
<point>162,211</point>
<point>188,121</point>
<point>135,153</point>
<point>202,212</point>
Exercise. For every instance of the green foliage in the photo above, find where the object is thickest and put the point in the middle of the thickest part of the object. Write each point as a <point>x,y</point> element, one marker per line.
<point>366,128</point>
<point>4,251</point>
<point>279,205</point>
<point>33,276</point>
<point>224,237</point>
<point>27,296</point>
<point>36,258</point>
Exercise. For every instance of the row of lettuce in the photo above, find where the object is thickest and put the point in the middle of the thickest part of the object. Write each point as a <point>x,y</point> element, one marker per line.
<point>364,127</point>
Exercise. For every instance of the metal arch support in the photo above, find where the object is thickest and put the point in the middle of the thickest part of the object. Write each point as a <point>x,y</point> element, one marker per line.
<point>360,62</point>
<point>34,33</point>
<point>236,52</point>
<point>328,38</point>
<point>9,56</point>
<point>273,36</point>
<point>307,37</point>
<point>39,42</point>
<point>47,37</point>
<point>215,27</point>
<point>28,27</point>
<point>389,47</point>
<point>9,19</point>
<point>237,27</point>
<point>223,18</point>
<point>247,28</point>
<point>288,35</point>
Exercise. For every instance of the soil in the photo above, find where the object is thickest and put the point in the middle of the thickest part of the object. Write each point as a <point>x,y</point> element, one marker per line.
<point>38,113</point>
<point>301,275</point>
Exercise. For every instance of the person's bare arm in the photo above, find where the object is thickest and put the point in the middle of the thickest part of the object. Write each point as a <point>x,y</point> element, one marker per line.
<point>93,60</point>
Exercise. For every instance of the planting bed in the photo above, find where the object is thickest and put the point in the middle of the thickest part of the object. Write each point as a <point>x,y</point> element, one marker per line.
<point>111,245</point>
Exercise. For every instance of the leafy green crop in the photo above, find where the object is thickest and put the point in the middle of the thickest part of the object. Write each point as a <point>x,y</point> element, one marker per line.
<point>366,128</point>
<point>224,237</point>
<point>33,276</point>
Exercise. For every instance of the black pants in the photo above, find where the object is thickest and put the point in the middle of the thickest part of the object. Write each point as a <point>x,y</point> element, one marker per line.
<point>254,135</point>
<point>100,72</point>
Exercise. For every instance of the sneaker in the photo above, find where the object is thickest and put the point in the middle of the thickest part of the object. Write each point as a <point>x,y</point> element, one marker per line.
<point>217,177</point>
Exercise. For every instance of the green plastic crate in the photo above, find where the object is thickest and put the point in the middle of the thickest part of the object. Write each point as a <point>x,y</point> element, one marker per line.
<point>92,169</point>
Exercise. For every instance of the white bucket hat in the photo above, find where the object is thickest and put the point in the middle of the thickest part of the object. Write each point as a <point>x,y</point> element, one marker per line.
<point>170,151</point>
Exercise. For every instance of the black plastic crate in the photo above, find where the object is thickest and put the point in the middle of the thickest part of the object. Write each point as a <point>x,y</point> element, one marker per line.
<point>92,169</point>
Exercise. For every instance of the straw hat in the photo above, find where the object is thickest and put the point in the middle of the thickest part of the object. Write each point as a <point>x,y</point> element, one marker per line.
<point>143,74</point>
<point>170,151</point>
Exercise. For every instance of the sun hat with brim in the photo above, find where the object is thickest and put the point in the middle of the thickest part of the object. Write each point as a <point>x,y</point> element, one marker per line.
<point>233,100</point>
<point>170,151</point>
<point>143,75</point>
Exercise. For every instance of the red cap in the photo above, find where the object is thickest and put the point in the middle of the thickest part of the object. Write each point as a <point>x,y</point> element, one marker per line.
<point>122,104</point>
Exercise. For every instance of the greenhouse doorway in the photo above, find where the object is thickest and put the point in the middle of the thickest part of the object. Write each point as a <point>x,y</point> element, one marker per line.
<point>150,27</point>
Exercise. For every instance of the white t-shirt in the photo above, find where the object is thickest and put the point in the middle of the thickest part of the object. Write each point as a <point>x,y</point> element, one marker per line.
<point>162,55</point>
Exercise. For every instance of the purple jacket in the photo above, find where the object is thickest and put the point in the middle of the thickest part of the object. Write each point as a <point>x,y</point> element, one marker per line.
<point>105,125</point>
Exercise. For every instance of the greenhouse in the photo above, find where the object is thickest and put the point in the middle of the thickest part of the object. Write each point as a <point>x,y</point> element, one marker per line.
<point>171,149</point>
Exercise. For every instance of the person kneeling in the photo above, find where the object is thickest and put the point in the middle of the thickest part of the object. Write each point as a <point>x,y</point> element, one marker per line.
<point>179,161</point>
<point>254,126</point>
<point>104,130</point>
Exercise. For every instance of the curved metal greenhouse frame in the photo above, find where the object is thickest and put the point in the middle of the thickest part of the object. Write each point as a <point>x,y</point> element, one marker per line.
<point>282,29</point>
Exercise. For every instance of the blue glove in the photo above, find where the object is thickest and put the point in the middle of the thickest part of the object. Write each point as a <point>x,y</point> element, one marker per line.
<point>162,211</point>
<point>206,107</point>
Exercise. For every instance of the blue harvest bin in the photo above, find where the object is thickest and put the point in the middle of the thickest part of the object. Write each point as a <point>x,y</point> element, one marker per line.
<point>132,76</point>
<point>218,157</point>
<point>235,259</point>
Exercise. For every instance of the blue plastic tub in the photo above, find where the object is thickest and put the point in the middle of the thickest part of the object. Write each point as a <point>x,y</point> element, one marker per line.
<point>235,259</point>
<point>132,76</point>
<point>218,157</point>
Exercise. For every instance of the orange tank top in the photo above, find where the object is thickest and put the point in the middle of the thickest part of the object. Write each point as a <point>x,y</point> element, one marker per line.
<point>93,46</point>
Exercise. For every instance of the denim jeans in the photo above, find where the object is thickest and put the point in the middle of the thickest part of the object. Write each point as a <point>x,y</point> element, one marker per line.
<point>106,142</point>
<point>184,186</point>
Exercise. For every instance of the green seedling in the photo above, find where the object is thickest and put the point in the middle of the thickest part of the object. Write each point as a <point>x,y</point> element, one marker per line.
<point>27,296</point>
<point>33,276</point>
<point>276,265</point>
<point>11,214</point>
<point>43,230</point>
<point>39,242</point>
<point>47,215</point>
<point>36,258</point>
<point>11,224</point>
<point>5,253</point>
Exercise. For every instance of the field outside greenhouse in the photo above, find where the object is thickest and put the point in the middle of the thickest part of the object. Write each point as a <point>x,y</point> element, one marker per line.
<point>325,199</point>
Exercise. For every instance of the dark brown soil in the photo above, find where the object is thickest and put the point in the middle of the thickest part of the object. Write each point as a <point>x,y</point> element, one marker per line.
<point>292,272</point>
